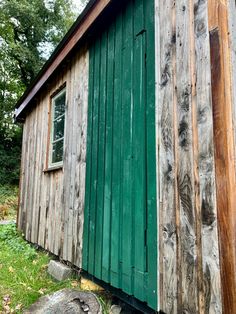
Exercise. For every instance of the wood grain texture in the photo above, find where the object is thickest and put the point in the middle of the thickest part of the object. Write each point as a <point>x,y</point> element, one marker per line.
<point>195,95</point>
<point>232,46</point>
<point>189,277</point>
<point>209,269</point>
<point>20,215</point>
<point>165,129</point>
<point>188,296</point>
<point>51,202</point>
<point>223,110</point>
<point>232,52</point>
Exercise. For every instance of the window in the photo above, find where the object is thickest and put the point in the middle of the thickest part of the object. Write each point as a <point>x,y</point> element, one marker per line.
<point>57,129</point>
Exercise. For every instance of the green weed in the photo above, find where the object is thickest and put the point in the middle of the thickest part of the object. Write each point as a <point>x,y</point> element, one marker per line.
<point>8,201</point>
<point>12,238</point>
<point>23,274</point>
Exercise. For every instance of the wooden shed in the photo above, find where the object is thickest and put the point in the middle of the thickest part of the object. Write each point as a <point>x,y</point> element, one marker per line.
<point>128,158</point>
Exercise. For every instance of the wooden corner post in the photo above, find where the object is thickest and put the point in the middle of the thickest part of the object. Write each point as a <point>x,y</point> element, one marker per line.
<point>223,123</point>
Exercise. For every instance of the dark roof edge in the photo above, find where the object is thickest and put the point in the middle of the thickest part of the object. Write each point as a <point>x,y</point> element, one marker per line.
<point>74,35</point>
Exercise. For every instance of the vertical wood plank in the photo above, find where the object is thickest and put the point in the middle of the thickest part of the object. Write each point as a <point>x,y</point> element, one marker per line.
<point>53,182</point>
<point>108,156</point>
<point>116,190</point>
<point>209,281</point>
<point>188,297</point>
<point>127,102</point>
<point>73,153</point>
<point>67,164</point>
<point>39,169</point>
<point>232,46</point>
<point>139,156</point>
<point>88,183</point>
<point>51,212</point>
<point>225,172</point>
<point>101,159</point>
<point>94,165</point>
<point>75,174</point>
<point>67,77</point>
<point>57,217</point>
<point>83,153</point>
<point>151,156</point>
<point>30,157</point>
<point>223,121</point>
<point>21,214</point>
<point>78,68</point>
<point>33,174</point>
<point>121,156</point>
<point>47,213</point>
<point>231,32</point>
<point>165,102</point>
<point>44,183</point>
<point>78,115</point>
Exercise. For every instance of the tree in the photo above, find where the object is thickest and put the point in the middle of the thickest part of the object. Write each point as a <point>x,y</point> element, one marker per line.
<point>30,26</point>
<point>29,31</point>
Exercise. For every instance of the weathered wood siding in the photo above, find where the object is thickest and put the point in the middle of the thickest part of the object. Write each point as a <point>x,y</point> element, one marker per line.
<point>195,151</point>
<point>189,278</point>
<point>52,202</point>
<point>223,53</point>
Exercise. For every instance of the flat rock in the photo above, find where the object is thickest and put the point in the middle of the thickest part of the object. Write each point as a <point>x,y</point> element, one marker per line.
<point>59,271</point>
<point>115,309</point>
<point>66,301</point>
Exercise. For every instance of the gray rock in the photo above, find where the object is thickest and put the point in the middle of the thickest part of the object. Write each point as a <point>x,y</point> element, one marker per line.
<point>59,271</point>
<point>115,309</point>
<point>66,301</point>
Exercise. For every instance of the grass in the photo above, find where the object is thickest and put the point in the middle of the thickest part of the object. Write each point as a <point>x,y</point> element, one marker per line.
<point>23,269</point>
<point>23,274</point>
<point>8,202</point>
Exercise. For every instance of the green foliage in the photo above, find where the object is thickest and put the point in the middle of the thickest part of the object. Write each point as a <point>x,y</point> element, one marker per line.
<point>10,237</point>
<point>23,272</point>
<point>28,27</point>
<point>8,201</point>
<point>10,154</point>
<point>8,194</point>
<point>29,31</point>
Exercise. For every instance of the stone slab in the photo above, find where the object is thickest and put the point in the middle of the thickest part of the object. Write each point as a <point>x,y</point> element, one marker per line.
<point>59,271</point>
<point>115,309</point>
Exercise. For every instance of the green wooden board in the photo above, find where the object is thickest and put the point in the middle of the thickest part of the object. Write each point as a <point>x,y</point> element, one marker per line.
<point>120,226</point>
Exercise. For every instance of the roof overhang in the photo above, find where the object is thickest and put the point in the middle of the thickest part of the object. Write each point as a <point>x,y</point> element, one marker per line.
<point>71,39</point>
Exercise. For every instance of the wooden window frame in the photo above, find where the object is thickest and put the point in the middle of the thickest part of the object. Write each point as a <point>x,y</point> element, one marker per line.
<point>55,165</point>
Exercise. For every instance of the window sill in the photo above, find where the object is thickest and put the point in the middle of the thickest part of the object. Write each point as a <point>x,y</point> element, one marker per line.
<point>53,168</point>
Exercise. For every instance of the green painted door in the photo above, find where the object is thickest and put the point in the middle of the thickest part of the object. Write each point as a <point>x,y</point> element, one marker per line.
<point>120,223</point>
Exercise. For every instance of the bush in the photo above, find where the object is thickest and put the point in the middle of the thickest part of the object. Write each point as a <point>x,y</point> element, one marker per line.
<point>10,154</point>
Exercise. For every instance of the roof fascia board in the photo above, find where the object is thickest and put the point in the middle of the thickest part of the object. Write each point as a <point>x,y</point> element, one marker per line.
<point>88,20</point>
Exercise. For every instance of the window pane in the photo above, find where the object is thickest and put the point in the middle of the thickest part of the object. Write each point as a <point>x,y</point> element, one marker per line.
<point>57,151</point>
<point>58,128</point>
<point>59,105</point>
